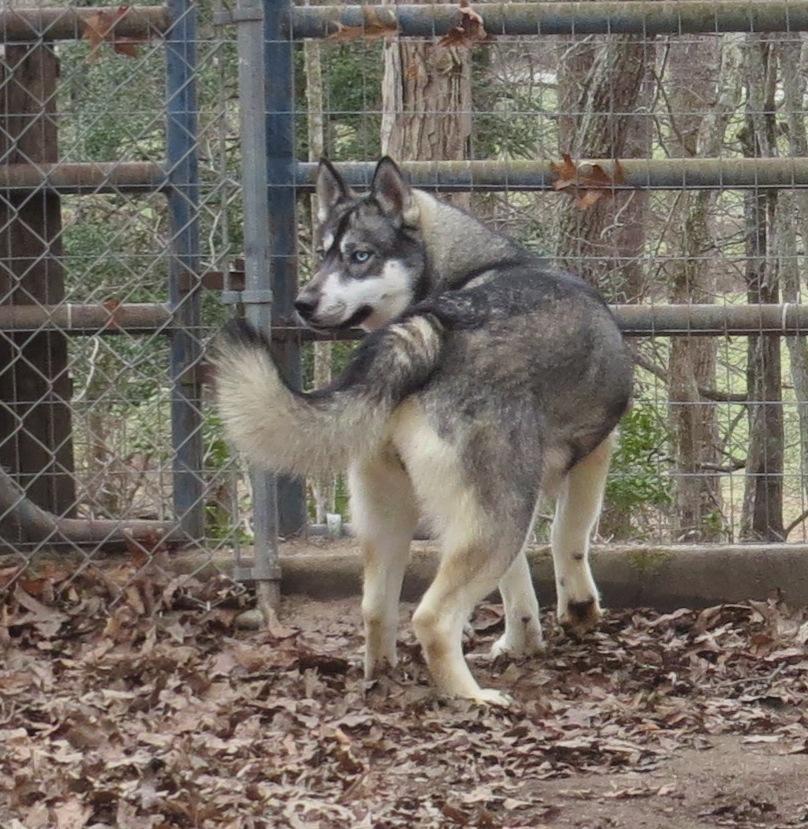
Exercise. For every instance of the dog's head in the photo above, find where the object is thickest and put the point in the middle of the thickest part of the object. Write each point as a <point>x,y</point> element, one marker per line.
<point>372,260</point>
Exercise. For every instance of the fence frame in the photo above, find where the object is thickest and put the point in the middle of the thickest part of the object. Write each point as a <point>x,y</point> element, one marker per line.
<point>268,30</point>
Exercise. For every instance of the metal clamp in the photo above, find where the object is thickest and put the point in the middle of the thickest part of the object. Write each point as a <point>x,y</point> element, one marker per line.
<point>259,297</point>
<point>228,17</point>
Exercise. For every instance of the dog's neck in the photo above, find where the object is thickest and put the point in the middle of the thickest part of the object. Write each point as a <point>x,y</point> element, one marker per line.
<point>457,243</point>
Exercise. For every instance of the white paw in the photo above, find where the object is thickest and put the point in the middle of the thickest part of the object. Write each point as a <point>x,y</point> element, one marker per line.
<point>580,616</point>
<point>504,647</point>
<point>378,666</point>
<point>490,696</point>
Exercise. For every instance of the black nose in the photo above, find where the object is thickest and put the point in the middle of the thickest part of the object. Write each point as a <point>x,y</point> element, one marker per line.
<point>305,307</point>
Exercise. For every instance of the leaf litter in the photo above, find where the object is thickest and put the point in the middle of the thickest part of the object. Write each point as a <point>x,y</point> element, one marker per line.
<point>158,711</point>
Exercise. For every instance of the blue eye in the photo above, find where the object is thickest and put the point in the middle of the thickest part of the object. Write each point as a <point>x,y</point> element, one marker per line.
<point>360,256</point>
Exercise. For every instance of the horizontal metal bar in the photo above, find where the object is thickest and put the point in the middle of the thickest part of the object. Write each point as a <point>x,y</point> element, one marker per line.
<point>648,321</point>
<point>87,177</point>
<point>38,526</point>
<point>711,320</point>
<point>642,174</point>
<point>146,317</point>
<point>18,25</point>
<point>636,17</point>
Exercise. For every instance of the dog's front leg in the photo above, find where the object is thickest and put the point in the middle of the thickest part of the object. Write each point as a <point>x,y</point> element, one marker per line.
<point>523,636</point>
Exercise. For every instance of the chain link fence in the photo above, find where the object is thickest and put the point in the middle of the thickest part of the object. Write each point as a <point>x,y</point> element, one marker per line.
<point>120,219</point>
<point>146,150</point>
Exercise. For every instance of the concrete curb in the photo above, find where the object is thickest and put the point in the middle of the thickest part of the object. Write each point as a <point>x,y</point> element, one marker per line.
<point>660,577</point>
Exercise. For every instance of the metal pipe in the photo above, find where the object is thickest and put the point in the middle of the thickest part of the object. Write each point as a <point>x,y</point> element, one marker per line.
<point>711,320</point>
<point>257,294</point>
<point>38,526</point>
<point>281,196</point>
<point>184,287</point>
<point>145,317</point>
<point>660,174</point>
<point>641,174</point>
<point>651,321</point>
<point>20,25</point>
<point>637,17</point>
<point>90,177</point>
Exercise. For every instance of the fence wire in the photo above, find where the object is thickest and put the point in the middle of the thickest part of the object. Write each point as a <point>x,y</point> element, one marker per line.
<point>116,245</point>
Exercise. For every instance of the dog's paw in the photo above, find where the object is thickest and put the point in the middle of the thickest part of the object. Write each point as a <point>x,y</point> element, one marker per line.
<point>505,648</point>
<point>378,666</point>
<point>580,617</point>
<point>491,696</point>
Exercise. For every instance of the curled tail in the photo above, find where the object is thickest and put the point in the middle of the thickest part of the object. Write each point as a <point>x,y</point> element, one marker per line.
<point>319,432</point>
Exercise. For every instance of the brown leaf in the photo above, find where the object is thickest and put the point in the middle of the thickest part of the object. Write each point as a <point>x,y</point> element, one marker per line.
<point>100,28</point>
<point>72,814</point>
<point>588,184</point>
<point>469,31</point>
<point>373,28</point>
<point>566,171</point>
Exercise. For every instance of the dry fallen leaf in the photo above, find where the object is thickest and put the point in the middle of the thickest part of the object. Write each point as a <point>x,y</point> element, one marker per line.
<point>375,26</point>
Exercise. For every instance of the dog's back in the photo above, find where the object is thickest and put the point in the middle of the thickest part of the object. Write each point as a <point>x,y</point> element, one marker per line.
<point>531,355</point>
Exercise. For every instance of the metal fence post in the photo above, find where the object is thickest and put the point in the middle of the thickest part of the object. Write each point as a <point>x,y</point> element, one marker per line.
<point>280,153</point>
<point>257,294</point>
<point>184,282</point>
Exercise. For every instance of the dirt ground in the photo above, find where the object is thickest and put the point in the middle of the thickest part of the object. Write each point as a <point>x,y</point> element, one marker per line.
<point>158,711</point>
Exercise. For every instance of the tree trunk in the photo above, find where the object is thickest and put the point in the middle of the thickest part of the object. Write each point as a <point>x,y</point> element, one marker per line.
<point>324,490</point>
<point>600,82</point>
<point>699,70</point>
<point>426,103</point>
<point>792,210</point>
<point>35,385</point>
<point>762,517</point>
<point>601,88</point>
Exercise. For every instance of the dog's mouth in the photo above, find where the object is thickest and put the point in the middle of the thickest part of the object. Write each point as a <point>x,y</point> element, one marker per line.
<point>333,323</point>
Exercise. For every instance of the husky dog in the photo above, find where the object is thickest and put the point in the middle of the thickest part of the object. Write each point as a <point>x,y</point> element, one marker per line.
<point>487,379</point>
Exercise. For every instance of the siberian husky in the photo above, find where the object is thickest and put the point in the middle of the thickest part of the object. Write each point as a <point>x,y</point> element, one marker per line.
<point>487,379</point>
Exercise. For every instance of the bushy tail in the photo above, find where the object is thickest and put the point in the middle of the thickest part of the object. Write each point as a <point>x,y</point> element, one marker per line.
<point>318,433</point>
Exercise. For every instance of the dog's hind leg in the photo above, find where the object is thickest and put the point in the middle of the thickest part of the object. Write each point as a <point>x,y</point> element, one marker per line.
<point>470,569</point>
<point>523,636</point>
<point>384,515</point>
<point>483,517</point>
<point>577,511</point>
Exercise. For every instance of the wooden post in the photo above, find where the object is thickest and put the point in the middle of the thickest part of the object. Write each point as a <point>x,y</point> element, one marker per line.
<point>35,420</point>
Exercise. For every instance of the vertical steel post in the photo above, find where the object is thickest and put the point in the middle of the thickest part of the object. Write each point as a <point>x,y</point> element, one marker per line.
<point>280,153</point>
<point>257,294</point>
<point>184,285</point>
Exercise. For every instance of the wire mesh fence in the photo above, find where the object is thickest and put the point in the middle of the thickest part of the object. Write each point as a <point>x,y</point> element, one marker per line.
<point>119,131</point>
<point>130,189</point>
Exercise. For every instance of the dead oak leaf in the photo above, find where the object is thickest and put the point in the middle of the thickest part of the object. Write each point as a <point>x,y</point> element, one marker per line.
<point>470,30</point>
<point>72,814</point>
<point>100,28</point>
<point>372,28</point>
<point>589,183</point>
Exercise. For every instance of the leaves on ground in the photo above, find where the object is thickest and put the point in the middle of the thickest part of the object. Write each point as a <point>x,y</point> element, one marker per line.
<point>155,710</point>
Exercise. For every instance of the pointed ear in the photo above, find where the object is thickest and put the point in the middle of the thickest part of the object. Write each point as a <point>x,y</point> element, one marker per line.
<point>391,191</point>
<point>330,189</point>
